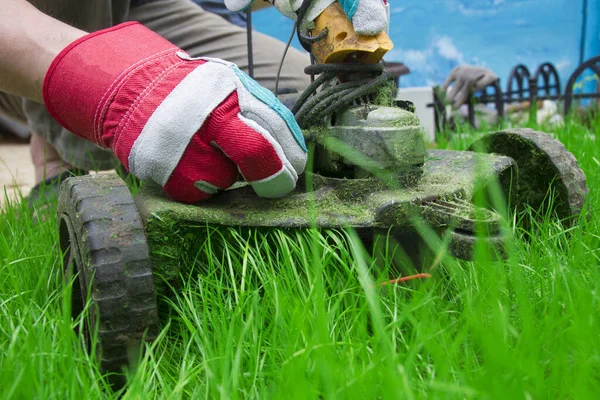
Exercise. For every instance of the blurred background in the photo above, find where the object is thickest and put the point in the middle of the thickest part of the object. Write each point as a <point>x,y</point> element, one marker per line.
<point>433,36</point>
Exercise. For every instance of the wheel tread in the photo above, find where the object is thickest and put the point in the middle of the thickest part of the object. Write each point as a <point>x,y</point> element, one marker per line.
<point>111,238</point>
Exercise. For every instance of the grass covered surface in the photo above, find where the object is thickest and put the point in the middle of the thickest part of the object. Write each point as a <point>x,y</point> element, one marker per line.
<point>302,315</point>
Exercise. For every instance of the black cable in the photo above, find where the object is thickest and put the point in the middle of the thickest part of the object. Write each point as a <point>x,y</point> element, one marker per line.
<point>306,41</point>
<point>312,107</point>
<point>362,88</point>
<point>249,41</point>
<point>287,46</point>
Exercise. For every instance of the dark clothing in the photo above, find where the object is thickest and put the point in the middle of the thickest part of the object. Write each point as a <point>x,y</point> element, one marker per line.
<point>218,7</point>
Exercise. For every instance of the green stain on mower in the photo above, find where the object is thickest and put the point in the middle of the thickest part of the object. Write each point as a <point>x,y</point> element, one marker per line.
<point>371,170</point>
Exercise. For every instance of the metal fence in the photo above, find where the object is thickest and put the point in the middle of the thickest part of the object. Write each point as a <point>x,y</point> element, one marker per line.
<point>522,86</point>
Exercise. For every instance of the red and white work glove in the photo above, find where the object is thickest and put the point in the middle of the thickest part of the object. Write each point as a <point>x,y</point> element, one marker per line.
<point>368,17</point>
<point>187,124</point>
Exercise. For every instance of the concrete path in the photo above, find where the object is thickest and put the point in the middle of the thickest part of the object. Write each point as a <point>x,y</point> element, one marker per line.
<point>16,169</point>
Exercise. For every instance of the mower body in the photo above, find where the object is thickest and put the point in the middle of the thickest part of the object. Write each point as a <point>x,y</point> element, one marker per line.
<point>371,170</point>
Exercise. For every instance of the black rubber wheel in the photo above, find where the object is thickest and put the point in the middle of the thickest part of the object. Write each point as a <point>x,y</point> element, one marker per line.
<point>103,241</point>
<point>544,165</point>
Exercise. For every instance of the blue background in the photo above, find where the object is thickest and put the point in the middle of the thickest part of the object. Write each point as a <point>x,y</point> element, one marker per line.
<point>433,36</point>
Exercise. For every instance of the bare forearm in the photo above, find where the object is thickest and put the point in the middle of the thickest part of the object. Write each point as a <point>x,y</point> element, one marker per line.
<point>29,41</point>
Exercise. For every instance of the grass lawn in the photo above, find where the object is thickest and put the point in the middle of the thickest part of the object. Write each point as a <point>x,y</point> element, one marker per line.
<point>296,315</point>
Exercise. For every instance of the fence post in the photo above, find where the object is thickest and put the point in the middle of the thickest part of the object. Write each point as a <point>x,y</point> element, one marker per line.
<point>533,91</point>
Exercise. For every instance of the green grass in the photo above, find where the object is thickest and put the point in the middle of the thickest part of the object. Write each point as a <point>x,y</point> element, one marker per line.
<point>298,315</point>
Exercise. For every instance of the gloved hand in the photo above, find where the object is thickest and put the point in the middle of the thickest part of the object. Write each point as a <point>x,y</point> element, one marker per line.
<point>467,79</point>
<point>369,17</point>
<point>186,124</point>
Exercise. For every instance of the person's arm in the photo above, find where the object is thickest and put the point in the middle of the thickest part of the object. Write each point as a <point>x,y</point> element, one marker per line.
<point>188,124</point>
<point>29,41</point>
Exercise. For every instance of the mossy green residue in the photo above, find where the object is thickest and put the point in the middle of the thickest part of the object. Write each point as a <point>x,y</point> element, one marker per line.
<point>389,138</point>
<point>176,231</point>
<point>242,207</point>
<point>386,95</point>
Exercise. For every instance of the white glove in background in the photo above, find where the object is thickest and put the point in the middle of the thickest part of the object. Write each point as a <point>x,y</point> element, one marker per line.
<point>466,79</point>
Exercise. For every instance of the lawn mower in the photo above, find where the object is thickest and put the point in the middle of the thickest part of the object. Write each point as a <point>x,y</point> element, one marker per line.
<point>370,171</point>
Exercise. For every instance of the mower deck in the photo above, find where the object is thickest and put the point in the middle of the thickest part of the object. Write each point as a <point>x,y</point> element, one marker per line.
<point>335,203</point>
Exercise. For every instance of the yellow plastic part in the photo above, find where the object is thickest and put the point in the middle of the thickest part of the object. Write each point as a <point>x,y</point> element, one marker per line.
<point>342,43</point>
